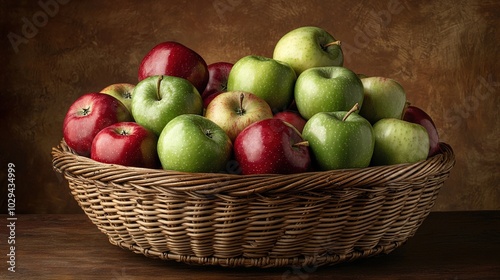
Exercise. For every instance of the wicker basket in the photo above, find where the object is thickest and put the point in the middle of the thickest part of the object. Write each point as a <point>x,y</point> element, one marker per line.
<point>316,218</point>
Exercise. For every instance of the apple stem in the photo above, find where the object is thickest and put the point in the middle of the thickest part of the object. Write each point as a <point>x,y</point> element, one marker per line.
<point>338,43</point>
<point>301,144</point>
<point>353,109</point>
<point>241,111</point>
<point>158,87</point>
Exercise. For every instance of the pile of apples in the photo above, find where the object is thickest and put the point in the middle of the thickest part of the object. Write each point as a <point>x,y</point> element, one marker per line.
<point>299,111</point>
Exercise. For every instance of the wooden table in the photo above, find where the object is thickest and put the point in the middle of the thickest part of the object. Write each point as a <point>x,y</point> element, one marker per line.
<point>449,245</point>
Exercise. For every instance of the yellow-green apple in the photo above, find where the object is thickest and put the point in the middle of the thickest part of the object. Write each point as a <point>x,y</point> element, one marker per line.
<point>267,78</point>
<point>327,89</point>
<point>398,141</point>
<point>193,143</point>
<point>417,115</point>
<point>88,114</point>
<point>292,117</point>
<point>307,47</point>
<point>218,74</point>
<point>383,98</point>
<point>126,143</point>
<point>175,59</point>
<point>235,110</point>
<point>158,99</point>
<point>271,146</point>
<point>340,140</point>
<point>122,92</point>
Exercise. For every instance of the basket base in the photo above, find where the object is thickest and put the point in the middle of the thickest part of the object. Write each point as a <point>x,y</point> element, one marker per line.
<point>264,262</point>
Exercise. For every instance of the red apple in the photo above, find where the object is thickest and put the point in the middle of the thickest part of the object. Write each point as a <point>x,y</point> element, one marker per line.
<point>417,115</point>
<point>174,59</point>
<point>89,114</point>
<point>271,146</point>
<point>235,110</point>
<point>209,99</point>
<point>218,73</point>
<point>293,118</point>
<point>126,143</point>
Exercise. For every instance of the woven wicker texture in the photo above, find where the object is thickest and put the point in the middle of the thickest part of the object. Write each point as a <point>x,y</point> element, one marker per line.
<point>315,218</point>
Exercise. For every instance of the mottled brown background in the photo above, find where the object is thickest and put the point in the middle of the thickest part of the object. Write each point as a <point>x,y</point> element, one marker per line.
<point>445,54</point>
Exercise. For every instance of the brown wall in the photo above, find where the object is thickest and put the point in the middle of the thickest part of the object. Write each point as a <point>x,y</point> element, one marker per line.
<point>445,54</point>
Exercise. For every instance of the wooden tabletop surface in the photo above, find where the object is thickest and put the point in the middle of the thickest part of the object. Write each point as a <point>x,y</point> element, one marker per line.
<point>448,245</point>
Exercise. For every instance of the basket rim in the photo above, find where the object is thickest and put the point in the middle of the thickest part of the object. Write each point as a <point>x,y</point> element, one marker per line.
<point>67,162</point>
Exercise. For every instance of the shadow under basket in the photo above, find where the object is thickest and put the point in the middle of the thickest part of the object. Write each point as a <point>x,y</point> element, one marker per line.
<point>313,219</point>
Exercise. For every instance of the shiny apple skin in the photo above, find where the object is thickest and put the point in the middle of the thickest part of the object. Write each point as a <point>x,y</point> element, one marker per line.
<point>417,115</point>
<point>174,59</point>
<point>269,147</point>
<point>126,143</point>
<point>88,115</point>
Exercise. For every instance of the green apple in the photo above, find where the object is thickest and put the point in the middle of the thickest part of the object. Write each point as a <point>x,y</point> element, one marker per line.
<point>307,47</point>
<point>267,78</point>
<point>383,98</point>
<point>399,141</point>
<point>327,89</point>
<point>235,110</point>
<point>122,92</point>
<point>193,143</point>
<point>158,99</point>
<point>340,139</point>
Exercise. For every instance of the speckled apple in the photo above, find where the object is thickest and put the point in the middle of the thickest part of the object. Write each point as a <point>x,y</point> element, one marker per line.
<point>159,99</point>
<point>233,111</point>
<point>383,98</point>
<point>337,143</point>
<point>327,89</point>
<point>307,47</point>
<point>267,78</point>
<point>398,141</point>
<point>193,143</point>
